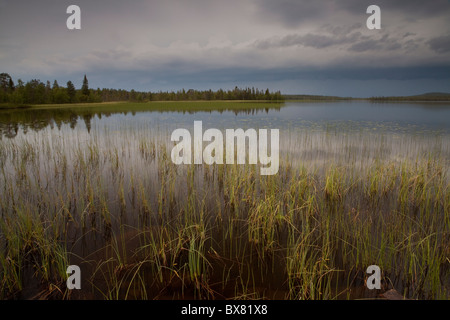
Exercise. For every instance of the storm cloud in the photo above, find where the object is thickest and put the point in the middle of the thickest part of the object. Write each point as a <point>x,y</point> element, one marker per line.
<point>294,13</point>
<point>281,44</point>
<point>440,44</point>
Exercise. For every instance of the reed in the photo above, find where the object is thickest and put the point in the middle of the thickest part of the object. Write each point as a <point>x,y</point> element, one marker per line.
<point>144,228</point>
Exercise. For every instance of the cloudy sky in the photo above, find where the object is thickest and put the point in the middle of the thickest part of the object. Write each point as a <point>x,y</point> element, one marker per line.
<point>296,46</point>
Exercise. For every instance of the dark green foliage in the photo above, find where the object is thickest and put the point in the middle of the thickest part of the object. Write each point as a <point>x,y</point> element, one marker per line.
<point>190,95</point>
<point>34,92</point>
<point>6,87</point>
<point>37,92</point>
<point>431,96</point>
<point>85,86</point>
<point>309,97</point>
<point>11,85</point>
<point>60,95</point>
<point>5,82</point>
<point>71,91</point>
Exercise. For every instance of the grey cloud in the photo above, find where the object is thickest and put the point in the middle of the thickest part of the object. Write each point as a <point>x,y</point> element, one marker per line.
<point>384,43</point>
<point>317,41</point>
<point>411,45</point>
<point>152,41</point>
<point>112,54</point>
<point>440,44</point>
<point>393,46</point>
<point>365,46</point>
<point>355,41</point>
<point>320,41</point>
<point>293,13</point>
<point>342,29</point>
<point>337,73</point>
<point>406,9</point>
<point>408,34</point>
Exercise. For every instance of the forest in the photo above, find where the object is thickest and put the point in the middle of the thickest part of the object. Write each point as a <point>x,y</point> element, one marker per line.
<point>431,96</point>
<point>38,92</point>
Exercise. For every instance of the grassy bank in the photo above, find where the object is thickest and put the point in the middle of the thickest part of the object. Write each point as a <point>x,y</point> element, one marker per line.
<point>119,106</point>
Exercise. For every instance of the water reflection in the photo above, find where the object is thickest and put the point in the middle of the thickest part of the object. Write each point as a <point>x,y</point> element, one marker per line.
<point>101,181</point>
<point>28,119</point>
<point>358,115</point>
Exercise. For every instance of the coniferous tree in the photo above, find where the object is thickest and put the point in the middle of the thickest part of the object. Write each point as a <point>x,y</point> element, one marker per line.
<point>85,86</point>
<point>11,85</point>
<point>5,81</point>
<point>71,91</point>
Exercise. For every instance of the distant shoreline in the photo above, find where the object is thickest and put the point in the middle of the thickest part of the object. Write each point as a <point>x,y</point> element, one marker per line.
<point>427,97</point>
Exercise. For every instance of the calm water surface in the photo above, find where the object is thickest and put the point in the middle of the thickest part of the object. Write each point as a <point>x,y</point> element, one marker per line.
<point>388,117</point>
<point>59,152</point>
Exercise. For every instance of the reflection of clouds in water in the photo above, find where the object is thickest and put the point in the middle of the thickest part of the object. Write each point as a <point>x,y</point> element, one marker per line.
<point>137,144</point>
<point>307,141</point>
<point>329,117</point>
<point>359,149</point>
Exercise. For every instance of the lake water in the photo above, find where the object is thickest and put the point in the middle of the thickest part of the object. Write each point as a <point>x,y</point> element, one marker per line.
<point>394,117</point>
<point>89,171</point>
<point>309,132</point>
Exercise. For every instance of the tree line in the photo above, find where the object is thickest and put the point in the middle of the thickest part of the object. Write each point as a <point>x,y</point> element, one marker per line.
<point>38,92</point>
<point>438,96</point>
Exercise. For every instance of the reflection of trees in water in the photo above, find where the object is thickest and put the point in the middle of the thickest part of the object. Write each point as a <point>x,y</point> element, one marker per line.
<point>28,119</point>
<point>9,130</point>
<point>36,120</point>
<point>87,121</point>
<point>73,121</point>
<point>251,111</point>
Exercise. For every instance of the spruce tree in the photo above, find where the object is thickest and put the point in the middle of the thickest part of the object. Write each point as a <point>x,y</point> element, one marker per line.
<point>11,85</point>
<point>71,91</point>
<point>85,87</point>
